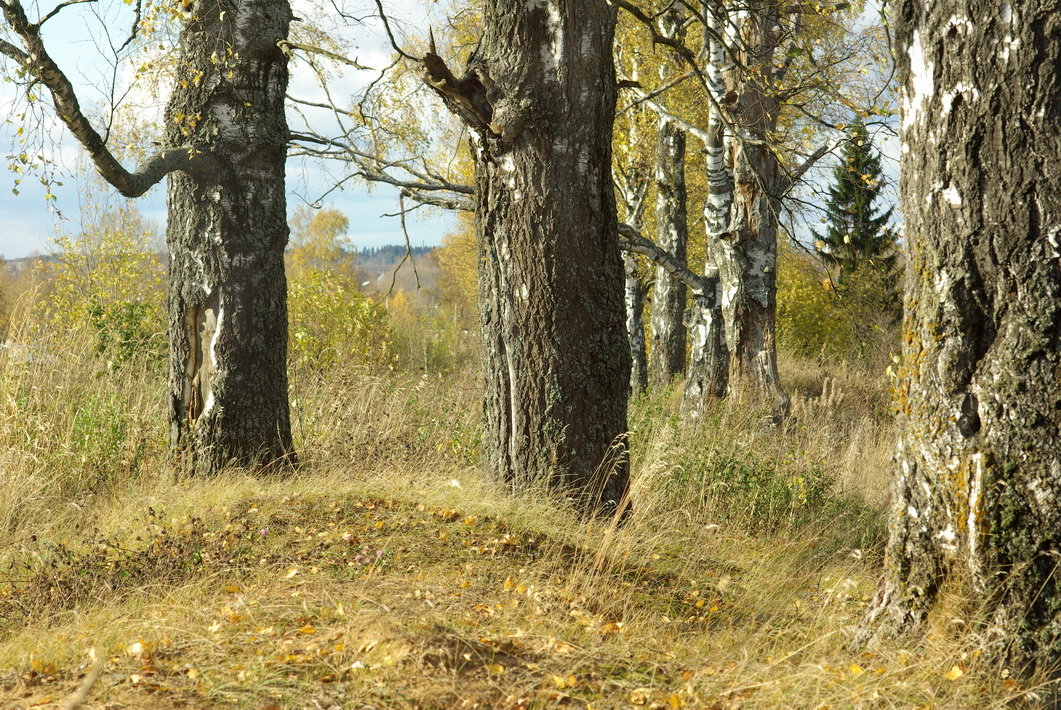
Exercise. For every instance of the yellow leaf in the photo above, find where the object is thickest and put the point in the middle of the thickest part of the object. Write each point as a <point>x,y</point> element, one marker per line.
<point>675,702</point>
<point>855,669</point>
<point>232,588</point>
<point>954,673</point>
<point>308,629</point>
<point>291,573</point>
<point>510,584</point>
<point>495,669</point>
<point>640,696</point>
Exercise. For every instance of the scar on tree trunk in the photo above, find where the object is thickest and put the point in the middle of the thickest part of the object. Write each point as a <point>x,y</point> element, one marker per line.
<point>201,323</point>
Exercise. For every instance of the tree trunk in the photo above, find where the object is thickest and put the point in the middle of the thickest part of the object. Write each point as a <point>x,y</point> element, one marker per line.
<point>747,252</point>
<point>539,101</point>
<point>708,373</point>
<point>226,232</point>
<point>747,261</point>
<point>976,501</point>
<point>668,302</point>
<point>635,324</point>
<point>632,187</point>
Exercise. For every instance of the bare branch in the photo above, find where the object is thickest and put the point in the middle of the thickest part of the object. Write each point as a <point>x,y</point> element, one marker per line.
<point>59,8</point>
<point>652,94</point>
<point>408,255</point>
<point>455,204</point>
<point>677,120</point>
<point>390,35</point>
<point>796,175</point>
<point>135,29</point>
<point>317,104</point>
<point>286,46</point>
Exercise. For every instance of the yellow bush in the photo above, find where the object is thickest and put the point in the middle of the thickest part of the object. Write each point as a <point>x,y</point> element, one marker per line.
<point>110,281</point>
<point>809,318</point>
<point>334,323</point>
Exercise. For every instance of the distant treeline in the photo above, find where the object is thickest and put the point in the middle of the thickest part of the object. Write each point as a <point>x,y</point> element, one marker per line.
<point>388,253</point>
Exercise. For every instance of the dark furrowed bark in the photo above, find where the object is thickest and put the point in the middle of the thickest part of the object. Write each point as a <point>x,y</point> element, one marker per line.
<point>539,101</point>
<point>976,511</point>
<point>227,232</point>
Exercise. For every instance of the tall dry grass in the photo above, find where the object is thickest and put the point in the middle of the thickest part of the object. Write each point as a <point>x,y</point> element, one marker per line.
<point>748,557</point>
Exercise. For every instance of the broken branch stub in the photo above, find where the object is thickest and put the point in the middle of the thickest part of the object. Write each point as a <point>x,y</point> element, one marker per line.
<point>468,97</point>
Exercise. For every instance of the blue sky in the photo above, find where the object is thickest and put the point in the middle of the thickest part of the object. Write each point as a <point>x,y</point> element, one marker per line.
<point>28,223</point>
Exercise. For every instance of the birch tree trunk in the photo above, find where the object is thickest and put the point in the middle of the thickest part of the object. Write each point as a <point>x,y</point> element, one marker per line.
<point>223,151</point>
<point>632,187</point>
<point>226,232</point>
<point>976,501</point>
<point>668,302</point>
<point>747,250</point>
<point>635,323</point>
<point>708,373</point>
<point>539,101</point>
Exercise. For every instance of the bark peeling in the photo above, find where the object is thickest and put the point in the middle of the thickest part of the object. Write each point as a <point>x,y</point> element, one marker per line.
<point>227,231</point>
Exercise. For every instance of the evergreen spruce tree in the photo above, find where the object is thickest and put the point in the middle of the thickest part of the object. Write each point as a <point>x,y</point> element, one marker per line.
<point>857,237</point>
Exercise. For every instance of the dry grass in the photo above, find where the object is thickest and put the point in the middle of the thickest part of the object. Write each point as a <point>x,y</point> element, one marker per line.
<point>389,573</point>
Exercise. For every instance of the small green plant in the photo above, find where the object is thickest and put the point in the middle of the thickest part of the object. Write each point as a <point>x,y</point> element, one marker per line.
<point>755,492</point>
<point>125,330</point>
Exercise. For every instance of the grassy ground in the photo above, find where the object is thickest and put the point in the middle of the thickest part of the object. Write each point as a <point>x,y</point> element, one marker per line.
<point>388,573</point>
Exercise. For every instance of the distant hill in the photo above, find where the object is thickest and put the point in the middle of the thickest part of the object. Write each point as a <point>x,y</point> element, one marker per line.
<point>378,265</point>
<point>15,267</point>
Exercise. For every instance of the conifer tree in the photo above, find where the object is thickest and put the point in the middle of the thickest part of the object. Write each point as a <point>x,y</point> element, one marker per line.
<point>857,236</point>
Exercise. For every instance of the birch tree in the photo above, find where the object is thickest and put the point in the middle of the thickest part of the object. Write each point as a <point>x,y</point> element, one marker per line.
<point>668,301</point>
<point>975,501</point>
<point>631,176</point>
<point>742,67</point>
<point>223,151</point>
<point>538,100</point>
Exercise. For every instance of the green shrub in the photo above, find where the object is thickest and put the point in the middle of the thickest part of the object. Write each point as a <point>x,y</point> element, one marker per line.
<point>818,317</point>
<point>333,323</point>
<point>109,281</point>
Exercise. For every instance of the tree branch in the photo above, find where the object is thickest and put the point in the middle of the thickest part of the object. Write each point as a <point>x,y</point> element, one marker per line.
<point>796,175</point>
<point>40,65</point>
<point>286,46</point>
<point>632,241</point>
<point>60,7</point>
<point>654,93</point>
<point>456,204</point>
<point>390,35</point>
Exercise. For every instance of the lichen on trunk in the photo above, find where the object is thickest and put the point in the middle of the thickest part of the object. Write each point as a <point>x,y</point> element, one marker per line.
<point>976,499</point>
